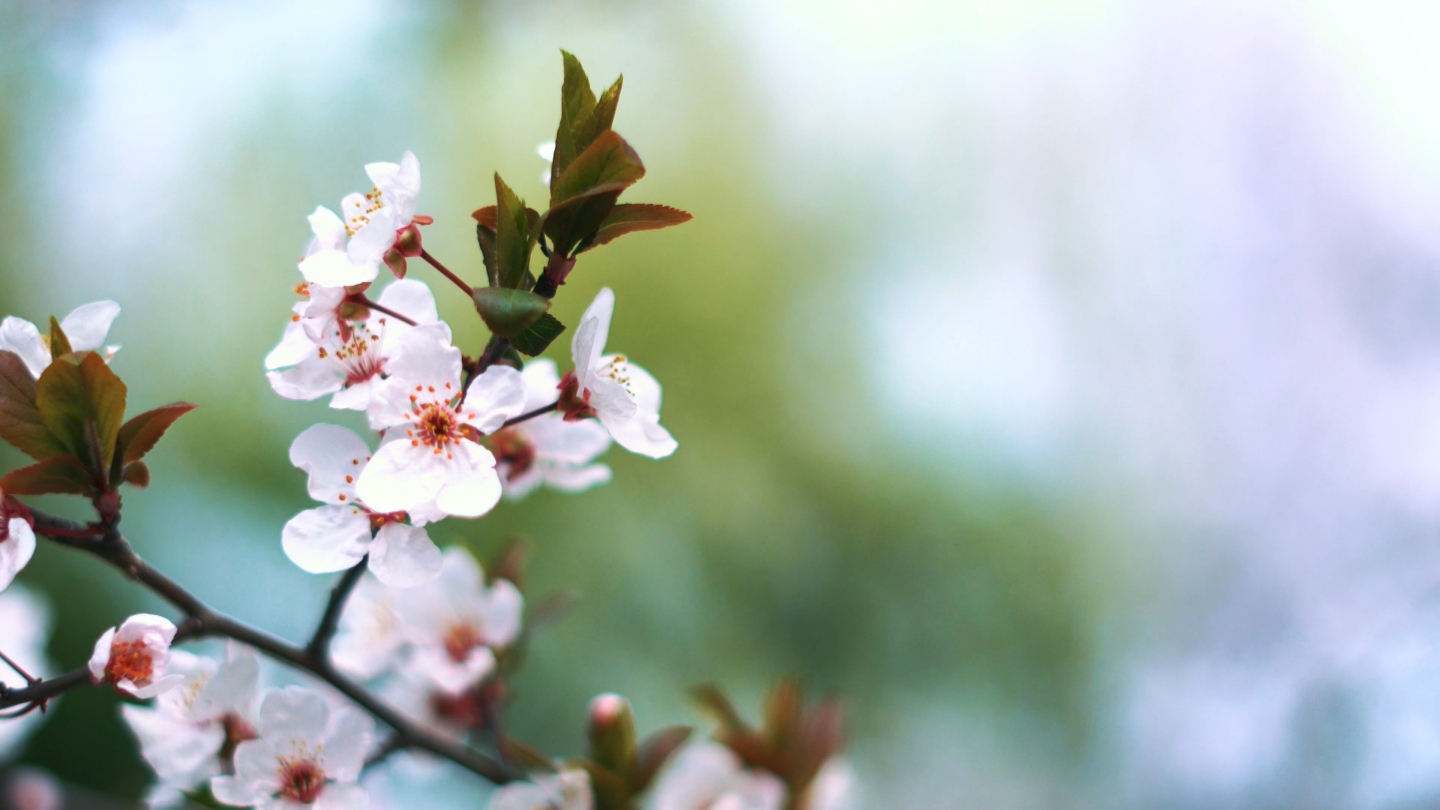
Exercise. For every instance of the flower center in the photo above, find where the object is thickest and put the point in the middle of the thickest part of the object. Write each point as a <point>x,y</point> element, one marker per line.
<point>512,446</point>
<point>359,215</point>
<point>237,730</point>
<point>463,710</point>
<point>380,519</point>
<point>129,661</point>
<point>301,779</point>
<point>359,356</point>
<point>460,639</point>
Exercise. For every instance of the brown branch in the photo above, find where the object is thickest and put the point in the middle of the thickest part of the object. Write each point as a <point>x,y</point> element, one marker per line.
<point>527,416</point>
<point>319,647</point>
<point>202,620</point>
<point>445,271</point>
<point>381,308</point>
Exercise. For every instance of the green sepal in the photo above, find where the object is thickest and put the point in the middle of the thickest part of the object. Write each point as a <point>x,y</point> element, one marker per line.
<point>508,312</point>
<point>538,337</point>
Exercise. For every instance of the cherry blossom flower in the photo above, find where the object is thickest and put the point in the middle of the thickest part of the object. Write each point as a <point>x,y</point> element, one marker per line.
<point>86,328</point>
<point>709,776</point>
<point>322,352</point>
<point>339,534</point>
<point>621,394</point>
<point>430,452</point>
<point>192,731</point>
<point>135,657</point>
<point>17,543</point>
<point>546,151</point>
<point>24,634</point>
<point>833,787</point>
<point>308,753</point>
<point>566,789</point>
<point>368,640</point>
<point>548,449</point>
<point>375,223</point>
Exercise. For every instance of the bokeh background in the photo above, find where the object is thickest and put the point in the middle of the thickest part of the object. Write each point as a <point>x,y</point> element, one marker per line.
<point>1056,380</point>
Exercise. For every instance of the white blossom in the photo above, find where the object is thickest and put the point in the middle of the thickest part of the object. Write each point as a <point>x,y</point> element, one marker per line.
<point>431,450</point>
<point>546,151</point>
<point>307,754</point>
<point>624,396</point>
<point>567,789</point>
<point>339,534</point>
<point>17,546</point>
<point>184,735</point>
<point>135,657</point>
<point>350,251</point>
<point>833,787</point>
<point>548,449</point>
<point>24,634</point>
<point>321,352</point>
<point>86,328</point>
<point>454,626</point>
<point>709,776</point>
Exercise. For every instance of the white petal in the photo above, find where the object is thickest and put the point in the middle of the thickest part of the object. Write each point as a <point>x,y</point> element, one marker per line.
<point>435,664</point>
<point>495,396</point>
<point>546,150</point>
<point>155,687</point>
<point>404,556</point>
<point>233,688</point>
<point>294,346</point>
<point>346,796</point>
<point>568,442</point>
<point>328,228</point>
<point>327,538</point>
<point>294,714</point>
<point>503,613</point>
<point>87,326</point>
<point>426,356</point>
<point>333,457</point>
<point>176,749</point>
<point>355,397</point>
<point>15,550</point>
<point>100,657</point>
<point>368,246</point>
<point>575,479</point>
<point>256,775</point>
<point>473,486</point>
<point>609,397</point>
<point>411,298</point>
<point>333,268</point>
<point>542,383</point>
<point>401,476</point>
<point>23,338</point>
<point>641,435</point>
<point>311,379</point>
<point>518,486</point>
<point>643,387</point>
<point>347,745</point>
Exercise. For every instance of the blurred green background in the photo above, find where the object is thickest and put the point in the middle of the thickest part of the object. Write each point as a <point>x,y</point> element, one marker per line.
<point>960,505</point>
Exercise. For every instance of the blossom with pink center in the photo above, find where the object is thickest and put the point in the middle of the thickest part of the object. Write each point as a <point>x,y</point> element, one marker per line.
<point>709,776</point>
<point>86,328</point>
<point>17,544</point>
<point>622,395</point>
<point>548,449</point>
<point>322,352</point>
<point>191,732</point>
<point>349,251</point>
<point>566,789</point>
<point>339,534</point>
<point>308,754</point>
<point>431,450</point>
<point>136,656</point>
<point>454,627</point>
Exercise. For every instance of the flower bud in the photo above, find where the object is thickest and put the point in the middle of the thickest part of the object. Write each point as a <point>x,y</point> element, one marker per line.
<point>407,241</point>
<point>612,732</point>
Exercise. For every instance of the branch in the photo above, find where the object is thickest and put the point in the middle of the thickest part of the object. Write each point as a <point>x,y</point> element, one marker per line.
<point>43,691</point>
<point>527,416</point>
<point>381,308</point>
<point>202,620</point>
<point>319,647</point>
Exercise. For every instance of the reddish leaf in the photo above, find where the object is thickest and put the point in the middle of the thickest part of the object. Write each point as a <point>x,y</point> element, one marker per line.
<point>139,435</point>
<point>137,474</point>
<point>487,217</point>
<point>634,217</point>
<point>20,422</point>
<point>64,474</point>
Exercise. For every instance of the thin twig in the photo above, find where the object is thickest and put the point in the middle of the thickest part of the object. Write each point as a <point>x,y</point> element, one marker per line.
<point>445,271</point>
<point>319,647</point>
<point>387,747</point>
<point>381,308</point>
<point>525,417</point>
<point>206,621</point>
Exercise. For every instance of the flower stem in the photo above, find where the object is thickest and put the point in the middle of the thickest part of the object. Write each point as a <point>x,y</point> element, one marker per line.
<point>445,271</point>
<point>319,647</point>
<point>525,417</point>
<point>381,308</point>
<point>202,620</point>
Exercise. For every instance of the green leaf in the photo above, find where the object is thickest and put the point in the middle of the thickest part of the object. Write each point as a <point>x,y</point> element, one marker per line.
<point>582,116</point>
<point>512,237</point>
<point>20,421</point>
<point>59,343</point>
<point>486,222</point>
<point>63,474</point>
<point>139,435</point>
<point>83,403</point>
<point>535,340</point>
<point>631,218</point>
<point>588,188</point>
<point>509,312</point>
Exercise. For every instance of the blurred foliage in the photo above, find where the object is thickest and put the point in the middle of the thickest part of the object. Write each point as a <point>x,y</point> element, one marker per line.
<point>779,539</point>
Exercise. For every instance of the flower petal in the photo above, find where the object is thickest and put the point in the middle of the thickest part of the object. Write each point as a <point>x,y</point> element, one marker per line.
<point>333,457</point>
<point>87,326</point>
<point>294,346</point>
<point>568,442</point>
<point>23,338</point>
<point>641,435</point>
<point>347,745</point>
<point>401,475</point>
<point>294,714</point>
<point>494,396</point>
<point>404,556</point>
<point>473,486</point>
<point>100,657</point>
<point>594,331</point>
<point>328,230</point>
<point>15,550</point>
<point>503,612</point>
<point>326,539</point>
<point>333,268</point>
<point>311,379</point>
<point>411,298</point>
<point>571,479</point>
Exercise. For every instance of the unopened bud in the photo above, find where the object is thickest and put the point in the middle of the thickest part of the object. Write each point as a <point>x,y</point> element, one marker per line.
<point>407,241</point>
<point>612,732</point>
